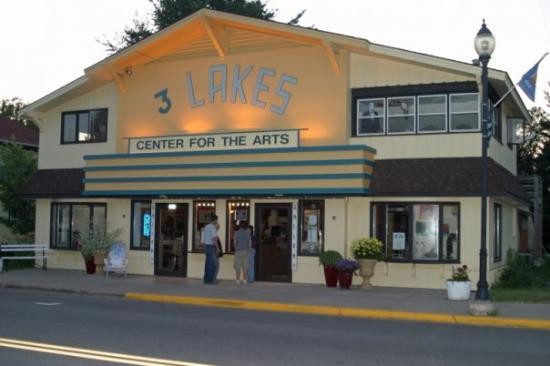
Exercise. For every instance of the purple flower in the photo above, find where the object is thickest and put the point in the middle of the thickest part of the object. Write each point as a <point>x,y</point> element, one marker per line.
<point>347,265</point>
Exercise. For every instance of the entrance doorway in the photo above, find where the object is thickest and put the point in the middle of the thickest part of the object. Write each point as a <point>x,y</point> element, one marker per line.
<point>273,239</point>
<point>171,240</point>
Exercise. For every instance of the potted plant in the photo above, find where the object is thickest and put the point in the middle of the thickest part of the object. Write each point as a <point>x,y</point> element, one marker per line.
<point>88,255</point>
<point>367,251</point>
<point>98,244</point>
<point>346,269</point>
<point>328,260</point>
<point>458,286</point>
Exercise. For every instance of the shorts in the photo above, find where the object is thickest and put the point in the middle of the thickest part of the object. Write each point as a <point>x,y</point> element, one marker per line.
<point>240,260</point>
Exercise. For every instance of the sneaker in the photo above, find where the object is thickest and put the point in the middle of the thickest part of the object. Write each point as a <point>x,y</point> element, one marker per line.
<point>237,282</point>
<point>244,282</point>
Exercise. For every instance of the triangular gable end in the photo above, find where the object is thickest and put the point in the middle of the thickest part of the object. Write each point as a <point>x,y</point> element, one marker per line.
<point>213,33</point>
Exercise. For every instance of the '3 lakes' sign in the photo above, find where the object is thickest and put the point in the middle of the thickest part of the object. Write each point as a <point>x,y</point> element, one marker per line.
<point>215,141</point>
<point>229,84</point>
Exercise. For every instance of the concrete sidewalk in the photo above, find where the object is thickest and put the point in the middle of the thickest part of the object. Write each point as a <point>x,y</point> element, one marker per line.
<point>380,302</point>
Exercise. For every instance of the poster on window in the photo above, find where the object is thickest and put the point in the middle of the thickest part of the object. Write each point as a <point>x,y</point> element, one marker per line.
<point>398,241</point>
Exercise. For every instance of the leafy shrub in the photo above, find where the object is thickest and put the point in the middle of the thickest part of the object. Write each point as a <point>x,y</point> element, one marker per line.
<point>329,258</point>
<point>519,273</point>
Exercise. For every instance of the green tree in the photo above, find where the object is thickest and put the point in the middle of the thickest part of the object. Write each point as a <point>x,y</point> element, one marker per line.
<point>538,136</point>
<point>167,12</point>
<point>10,108</point>
<point>17,166</point>
<point>534,158</point>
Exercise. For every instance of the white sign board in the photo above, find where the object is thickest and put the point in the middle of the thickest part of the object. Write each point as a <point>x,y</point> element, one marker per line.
<point>214,142</point>
<point>398,241</point>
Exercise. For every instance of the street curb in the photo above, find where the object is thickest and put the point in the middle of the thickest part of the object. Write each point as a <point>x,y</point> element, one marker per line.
<point>64,290</point>
<point>540,324</point>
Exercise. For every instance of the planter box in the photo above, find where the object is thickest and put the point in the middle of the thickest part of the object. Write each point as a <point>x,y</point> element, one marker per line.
<point>458,290</point>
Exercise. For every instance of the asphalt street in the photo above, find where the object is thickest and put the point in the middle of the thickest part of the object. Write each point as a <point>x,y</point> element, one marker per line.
<point>213,336</point>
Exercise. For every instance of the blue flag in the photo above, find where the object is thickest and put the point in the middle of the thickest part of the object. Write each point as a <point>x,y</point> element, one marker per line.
<point>528,82</point>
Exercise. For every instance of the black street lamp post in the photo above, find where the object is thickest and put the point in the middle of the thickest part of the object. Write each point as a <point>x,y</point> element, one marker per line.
<point>484,44</point>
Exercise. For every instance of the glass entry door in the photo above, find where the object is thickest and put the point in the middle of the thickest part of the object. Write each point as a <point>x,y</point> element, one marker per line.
<point>273,237</point>
<point>171,240</point>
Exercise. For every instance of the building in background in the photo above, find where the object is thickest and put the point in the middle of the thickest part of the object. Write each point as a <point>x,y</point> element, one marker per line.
<point>314,138</point>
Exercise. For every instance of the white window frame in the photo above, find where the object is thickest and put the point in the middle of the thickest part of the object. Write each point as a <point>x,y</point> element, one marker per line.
<point>464,112</point>
<point>358,117</point>
<point>401,115</point>
<point>445,113</point>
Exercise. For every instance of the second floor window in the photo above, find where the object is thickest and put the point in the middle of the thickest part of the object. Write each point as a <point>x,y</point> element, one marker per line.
<point>401,115</point>
<point>464,112</point>
<point>84,126</point>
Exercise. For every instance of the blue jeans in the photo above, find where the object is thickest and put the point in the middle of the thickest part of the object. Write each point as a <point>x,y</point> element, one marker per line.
<point>209,264</point>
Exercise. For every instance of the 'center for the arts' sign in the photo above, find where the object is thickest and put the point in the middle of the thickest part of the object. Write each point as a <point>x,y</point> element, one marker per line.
<point>216,141</point>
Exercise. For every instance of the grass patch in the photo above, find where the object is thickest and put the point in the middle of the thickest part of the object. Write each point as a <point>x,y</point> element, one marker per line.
<point>540,295</point>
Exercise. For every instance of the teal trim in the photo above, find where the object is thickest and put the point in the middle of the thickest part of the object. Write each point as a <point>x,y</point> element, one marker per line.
<point>230,178</point>
<point>229,192</point>
<point>232,165</point>
<point>232,152</point>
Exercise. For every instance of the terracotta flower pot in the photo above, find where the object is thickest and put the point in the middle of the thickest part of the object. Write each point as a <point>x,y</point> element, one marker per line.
<point>90,265</point>
<point>331,276</point>
<point>345,278</point>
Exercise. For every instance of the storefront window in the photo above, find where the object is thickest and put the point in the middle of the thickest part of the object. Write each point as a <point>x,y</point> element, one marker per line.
<point>422,232</point>
<point>70,222</point>
<point>202,211</point>
<point>426,232</point>
<point>141,224</point>
<point>237,211</point>
<point>397,237</point>
<point>450,232</point>
<point>312,227</point>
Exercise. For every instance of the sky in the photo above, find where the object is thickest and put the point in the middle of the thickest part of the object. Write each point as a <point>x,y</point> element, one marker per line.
<point>47,44</point>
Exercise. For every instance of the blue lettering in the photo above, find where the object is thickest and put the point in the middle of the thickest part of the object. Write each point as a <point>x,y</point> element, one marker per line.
<point>191,92</point>
<point>214,88</point>
<point>237,83</point>
<point>285,95</point>
<point>260,86</point>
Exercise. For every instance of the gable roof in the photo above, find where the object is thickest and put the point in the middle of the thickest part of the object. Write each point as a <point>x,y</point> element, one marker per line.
<point>208,33</point>
<point>12,130</point>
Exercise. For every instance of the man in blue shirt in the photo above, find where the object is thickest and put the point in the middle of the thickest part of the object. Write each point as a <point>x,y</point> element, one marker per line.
<point>210,241</point>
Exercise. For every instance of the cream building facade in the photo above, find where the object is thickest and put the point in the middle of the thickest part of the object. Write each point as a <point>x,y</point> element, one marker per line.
<point>314,138</point>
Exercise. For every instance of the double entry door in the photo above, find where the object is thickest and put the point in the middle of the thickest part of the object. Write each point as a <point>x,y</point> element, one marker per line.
<point>171,239</point>
<point>273,242</point>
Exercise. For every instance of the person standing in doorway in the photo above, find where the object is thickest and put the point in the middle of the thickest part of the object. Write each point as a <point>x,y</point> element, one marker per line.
<point>242,249</point>
<point>210,243</point>
<point>251,255</point>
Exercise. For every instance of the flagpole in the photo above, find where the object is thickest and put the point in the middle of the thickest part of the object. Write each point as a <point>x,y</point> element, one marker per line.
<point>516,84</point>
